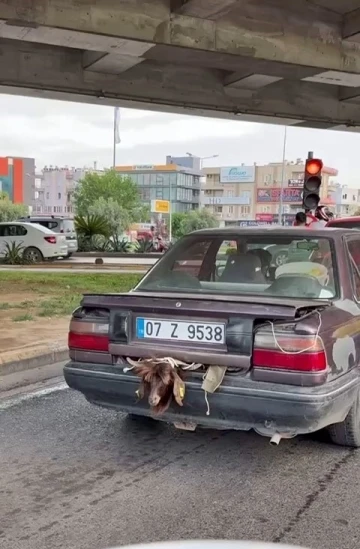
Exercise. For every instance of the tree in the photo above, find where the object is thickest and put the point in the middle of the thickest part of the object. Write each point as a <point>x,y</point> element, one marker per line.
<point>117,218</point>
<point>10,211</point>
<point>196,220</point>
<point>177,219</point>
<point>109,185</point>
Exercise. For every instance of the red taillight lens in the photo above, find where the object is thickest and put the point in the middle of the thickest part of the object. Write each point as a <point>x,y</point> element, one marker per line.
<point>88,342</point>
<point>304,362</point>
<point>288,350</point>
<point>50,239</point>
<point>88,336</point>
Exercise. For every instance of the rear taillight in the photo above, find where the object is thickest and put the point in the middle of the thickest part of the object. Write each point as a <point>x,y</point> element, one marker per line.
<point>50,239</point>
<point>288,350</point>
<point>88,336</point>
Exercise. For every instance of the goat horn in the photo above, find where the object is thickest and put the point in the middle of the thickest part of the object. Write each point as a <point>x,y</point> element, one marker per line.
<point>133,362</point>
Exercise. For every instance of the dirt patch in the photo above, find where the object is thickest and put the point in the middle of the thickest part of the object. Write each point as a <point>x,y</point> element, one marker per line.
<point>36,307</point>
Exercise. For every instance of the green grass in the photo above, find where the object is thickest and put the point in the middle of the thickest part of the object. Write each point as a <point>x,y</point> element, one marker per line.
<point>23,318</point>
<point>58,294</point>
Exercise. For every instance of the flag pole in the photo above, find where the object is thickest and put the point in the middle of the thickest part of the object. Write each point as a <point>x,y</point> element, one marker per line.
<point>114,139</point>
<point>281,203</point>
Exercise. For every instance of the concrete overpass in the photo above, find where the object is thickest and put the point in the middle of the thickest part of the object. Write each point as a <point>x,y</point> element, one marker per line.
<point>262,60</point>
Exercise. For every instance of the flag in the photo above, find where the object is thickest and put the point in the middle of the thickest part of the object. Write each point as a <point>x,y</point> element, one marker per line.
<point>117,139</point>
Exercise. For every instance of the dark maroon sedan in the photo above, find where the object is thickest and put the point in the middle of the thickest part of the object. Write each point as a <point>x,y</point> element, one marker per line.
<point>274,348</point>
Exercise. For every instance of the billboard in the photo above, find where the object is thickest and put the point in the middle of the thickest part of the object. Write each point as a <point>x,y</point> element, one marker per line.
<point>273,195</point>
<point>160,206</point>
<point>229,200</point>
<point>237,174</point>
<point>296,183</point>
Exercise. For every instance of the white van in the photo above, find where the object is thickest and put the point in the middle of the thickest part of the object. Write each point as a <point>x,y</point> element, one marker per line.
<point>38,243</point>
<point>58,224</point>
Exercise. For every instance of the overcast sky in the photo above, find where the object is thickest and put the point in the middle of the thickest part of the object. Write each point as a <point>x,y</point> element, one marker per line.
<point>62,133</point>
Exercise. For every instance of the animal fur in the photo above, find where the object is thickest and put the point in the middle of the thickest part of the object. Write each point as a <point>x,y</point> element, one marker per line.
<point>161,383</point>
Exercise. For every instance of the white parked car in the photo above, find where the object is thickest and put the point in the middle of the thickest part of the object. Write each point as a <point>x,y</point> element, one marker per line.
<point>58,224</point>
<point>39,243</point>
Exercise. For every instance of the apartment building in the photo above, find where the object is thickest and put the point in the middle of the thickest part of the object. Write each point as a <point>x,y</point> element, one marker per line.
<point>252,193</point>
<point>17,178</point>
<point>229,192</point>
<point>271,177</point>
<point>347,199</point>
<point>54,188</point>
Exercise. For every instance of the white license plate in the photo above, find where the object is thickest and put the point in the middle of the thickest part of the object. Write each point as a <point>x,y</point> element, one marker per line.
<point>175,330</point>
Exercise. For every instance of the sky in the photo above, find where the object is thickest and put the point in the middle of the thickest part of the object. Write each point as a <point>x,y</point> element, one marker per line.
<point>61,133</point>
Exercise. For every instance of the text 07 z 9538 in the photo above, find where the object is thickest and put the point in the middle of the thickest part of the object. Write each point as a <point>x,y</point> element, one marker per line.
<point>175,330</point>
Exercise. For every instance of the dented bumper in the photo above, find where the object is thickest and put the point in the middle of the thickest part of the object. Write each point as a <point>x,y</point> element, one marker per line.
<point>240,403</point>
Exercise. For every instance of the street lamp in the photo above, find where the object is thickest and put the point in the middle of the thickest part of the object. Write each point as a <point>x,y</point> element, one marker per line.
<point>202,158</point>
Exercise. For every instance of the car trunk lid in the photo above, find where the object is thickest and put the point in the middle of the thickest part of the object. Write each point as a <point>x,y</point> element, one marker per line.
<point>207,330</point>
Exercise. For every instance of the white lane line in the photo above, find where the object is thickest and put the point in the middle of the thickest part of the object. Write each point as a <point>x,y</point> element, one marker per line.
<point>14,401</point>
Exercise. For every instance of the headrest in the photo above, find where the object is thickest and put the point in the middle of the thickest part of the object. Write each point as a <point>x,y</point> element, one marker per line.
<point>304,268</point>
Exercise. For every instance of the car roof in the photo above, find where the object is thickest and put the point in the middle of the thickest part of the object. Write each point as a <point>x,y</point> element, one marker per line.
<point>344,219</point>
<point>24,224</point>
<point>47,217</point>
<point>266,231</point>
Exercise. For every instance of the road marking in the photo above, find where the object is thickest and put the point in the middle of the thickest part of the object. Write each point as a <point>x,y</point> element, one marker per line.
<point>19,399</point>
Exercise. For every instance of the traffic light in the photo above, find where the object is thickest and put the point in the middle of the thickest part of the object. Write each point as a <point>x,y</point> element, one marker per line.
<point>312,183</point>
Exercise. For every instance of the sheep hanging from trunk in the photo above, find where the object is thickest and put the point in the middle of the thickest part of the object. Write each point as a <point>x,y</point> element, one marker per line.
<point>161,382</point>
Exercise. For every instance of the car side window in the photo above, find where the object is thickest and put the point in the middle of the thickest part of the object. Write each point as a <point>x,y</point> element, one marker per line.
<point>20,231</point>
<point>354,253</point>
<point>4,230</point>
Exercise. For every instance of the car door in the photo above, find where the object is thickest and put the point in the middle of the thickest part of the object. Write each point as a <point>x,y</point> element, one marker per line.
<point>9,236</point>
<point>4,231</point>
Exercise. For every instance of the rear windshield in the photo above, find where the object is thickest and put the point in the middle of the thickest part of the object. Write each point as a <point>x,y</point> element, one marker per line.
<point>68,226</point>
<point>276,266</point>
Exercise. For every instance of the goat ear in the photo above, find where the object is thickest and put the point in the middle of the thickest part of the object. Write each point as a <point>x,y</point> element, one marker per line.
<point>179,390</point>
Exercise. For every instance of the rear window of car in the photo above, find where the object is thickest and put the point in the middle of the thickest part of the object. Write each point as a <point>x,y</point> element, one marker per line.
<point>68,226</point>
<point>276,266</point>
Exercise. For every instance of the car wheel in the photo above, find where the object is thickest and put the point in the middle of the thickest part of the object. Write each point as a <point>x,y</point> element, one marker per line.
<point>33,255</point>
<point>347,433</point>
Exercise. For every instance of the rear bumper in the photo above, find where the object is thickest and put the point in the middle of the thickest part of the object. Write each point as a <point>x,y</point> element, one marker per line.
<point>240,403</point>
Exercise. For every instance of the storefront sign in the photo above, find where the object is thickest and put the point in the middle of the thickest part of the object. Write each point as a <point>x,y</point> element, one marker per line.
<point>273,195</point>
<point>237,174</point>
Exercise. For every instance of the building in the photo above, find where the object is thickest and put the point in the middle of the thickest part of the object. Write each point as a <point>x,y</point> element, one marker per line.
<point>54,188</point>
<point>249,194</point>
<point>229,192</point>
<point>269,180</point>
<point>172,182</point>
<point>17,178</point>
<point>347,200</point>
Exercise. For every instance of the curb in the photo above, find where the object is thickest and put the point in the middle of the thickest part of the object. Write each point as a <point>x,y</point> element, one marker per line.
<point>32,356</point>
<point>70,266</point>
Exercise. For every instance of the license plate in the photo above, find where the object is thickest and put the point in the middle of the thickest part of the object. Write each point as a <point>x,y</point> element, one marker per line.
<point>174,330</point>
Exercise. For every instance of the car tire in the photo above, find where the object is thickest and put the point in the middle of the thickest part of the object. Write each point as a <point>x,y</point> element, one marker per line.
<point>33,255</point>
<point>347,433</point>
<point>68,256</point>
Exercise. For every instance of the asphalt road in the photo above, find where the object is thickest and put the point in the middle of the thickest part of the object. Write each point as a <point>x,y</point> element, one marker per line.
<point>76,476</point>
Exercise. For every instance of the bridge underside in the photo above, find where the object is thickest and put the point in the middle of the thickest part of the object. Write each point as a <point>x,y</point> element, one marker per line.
<point>279,61</point>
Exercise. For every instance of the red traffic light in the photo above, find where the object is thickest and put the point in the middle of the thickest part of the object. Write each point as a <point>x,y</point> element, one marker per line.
<point>313,166</point>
